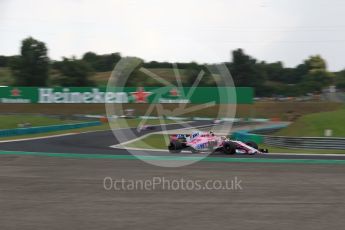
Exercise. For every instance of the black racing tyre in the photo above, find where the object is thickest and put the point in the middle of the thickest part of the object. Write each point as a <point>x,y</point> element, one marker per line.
<point>263,150</point>
<point>252,144</point>
<point>175,147</point>
<point>229,147</point>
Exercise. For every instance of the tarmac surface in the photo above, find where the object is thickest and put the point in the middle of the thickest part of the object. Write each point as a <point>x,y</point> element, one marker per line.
<point>39,192</point>
<point>58,193</point>
<point>99,143</point>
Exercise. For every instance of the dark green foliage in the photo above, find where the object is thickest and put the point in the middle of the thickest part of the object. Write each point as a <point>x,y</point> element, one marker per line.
<point>73,72</point>
<point>340,79</point>
<point>32,66</point>
<point>101,63</point>
<point>3,61</point>
<point>245,71</point>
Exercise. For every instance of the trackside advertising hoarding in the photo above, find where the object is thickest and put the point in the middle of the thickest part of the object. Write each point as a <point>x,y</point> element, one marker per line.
<point>199,95</point>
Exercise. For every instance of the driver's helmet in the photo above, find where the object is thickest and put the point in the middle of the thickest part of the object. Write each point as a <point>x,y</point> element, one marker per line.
<point>195,135</point>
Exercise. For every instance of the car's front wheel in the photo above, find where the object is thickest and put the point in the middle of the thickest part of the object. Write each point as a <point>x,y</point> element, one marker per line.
<point>229,147</point>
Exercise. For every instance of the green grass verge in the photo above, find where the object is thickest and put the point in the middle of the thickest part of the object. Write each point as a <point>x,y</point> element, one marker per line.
<point>120,123</point>
<point>314,125</point>
<point>101,78</point>
<point>12,121</point>
<point>123,123</point>
<point>154,141</point>
<point>87,129</point>
<point>157,141</point>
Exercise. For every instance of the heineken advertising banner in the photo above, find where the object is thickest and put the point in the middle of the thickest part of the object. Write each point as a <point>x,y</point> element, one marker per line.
<point>218,95</point>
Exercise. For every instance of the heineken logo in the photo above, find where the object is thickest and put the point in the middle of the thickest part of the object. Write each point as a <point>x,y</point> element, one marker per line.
<point>15,92</point>
<point>48,95</point>
<point>174,92</point>
<point>141,95</point>
<point>14,96</point>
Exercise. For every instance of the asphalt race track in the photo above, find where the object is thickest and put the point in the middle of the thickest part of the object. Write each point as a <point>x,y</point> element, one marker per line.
<point>40,192</point>
<point>99,143</point>
<point>58,193</point>
<point>85,143</point>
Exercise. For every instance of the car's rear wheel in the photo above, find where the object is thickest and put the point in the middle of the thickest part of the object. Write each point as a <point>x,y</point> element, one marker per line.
<point>252,144</point>
<point>175,147</point>
<point>229,147</point>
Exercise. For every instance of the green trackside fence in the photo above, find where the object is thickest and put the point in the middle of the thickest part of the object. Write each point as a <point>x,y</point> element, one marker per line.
<point>43,129</point>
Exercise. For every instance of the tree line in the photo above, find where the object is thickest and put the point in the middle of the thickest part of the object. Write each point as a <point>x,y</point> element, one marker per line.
<point>33,67</point>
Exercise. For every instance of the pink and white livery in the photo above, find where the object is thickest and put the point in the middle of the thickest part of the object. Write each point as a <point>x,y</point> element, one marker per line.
<point>207,141</point>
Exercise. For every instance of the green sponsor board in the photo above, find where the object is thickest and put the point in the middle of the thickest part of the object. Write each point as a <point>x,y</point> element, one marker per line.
<point>199,95</point>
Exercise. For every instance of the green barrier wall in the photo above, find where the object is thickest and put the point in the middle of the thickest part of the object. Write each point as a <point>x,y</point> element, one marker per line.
<point>245,135</point>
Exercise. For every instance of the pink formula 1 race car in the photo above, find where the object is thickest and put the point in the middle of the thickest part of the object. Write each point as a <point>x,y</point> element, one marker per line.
<point>208,142</point>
